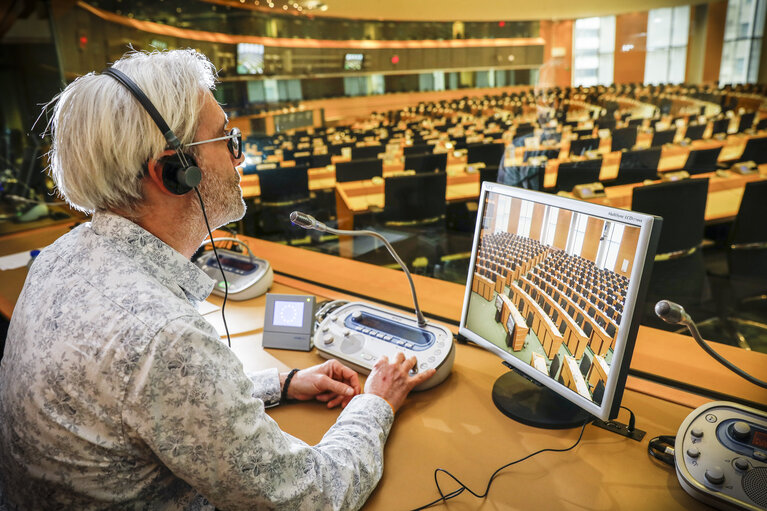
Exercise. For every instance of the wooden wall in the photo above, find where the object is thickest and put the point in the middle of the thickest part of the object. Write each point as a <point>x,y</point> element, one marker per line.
<point>627,250</point>
<point>630,29</point>
<point>563,228</point>
<point>591,238</point>
<point>536,224</point>
<point>557,71</point>
<point>514,210</point>
<point>717,15</point>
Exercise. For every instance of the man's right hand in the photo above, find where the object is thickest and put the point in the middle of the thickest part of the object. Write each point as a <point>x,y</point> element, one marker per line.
<point>392,380</point>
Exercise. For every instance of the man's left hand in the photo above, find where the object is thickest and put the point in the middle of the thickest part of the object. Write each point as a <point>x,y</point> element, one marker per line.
<point>332,383</point>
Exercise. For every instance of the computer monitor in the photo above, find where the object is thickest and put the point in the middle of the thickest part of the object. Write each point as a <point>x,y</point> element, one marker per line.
<point>426,162</point>
<point>250,59</point>
<point>702,160</point>
<point>537,228</point>
<point>358,170</point>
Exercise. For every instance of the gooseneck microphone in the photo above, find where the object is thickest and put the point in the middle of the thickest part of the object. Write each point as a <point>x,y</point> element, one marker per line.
<point>309,222</point>
<point>674,313</point>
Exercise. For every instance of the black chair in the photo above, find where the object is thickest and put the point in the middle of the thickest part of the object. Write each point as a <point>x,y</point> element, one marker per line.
<point>489,154</point>
<point>755,151</point>
<point>636,121</point>
<point>282,190</point>
<point>418,149</point>
<point>320,160</point>
<point>663,137</point>
<point>599,392</point>
<point>623,138</point>
<point>426,162</point>
<point>574,173</point>
<point>580,146</point>
<point>358,170</point>
<point>720,126</point>
<point>695,131</point>
<point>365,152</point>
<point>746,121</point>
<point>415,199</point>
<point>489,173</point>
<point>555,364</point>
<point>636,166</point>
<point>702,160</point>
<point>678,273</point>
<point>585,365</point>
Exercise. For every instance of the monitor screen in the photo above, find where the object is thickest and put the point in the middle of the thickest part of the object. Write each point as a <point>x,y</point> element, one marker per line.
<point>353,61</point>
<point>250,59</point>
<point>573,273</point>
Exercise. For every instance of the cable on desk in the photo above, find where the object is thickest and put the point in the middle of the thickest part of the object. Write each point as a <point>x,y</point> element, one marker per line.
<point>462,487</point>
<point>662,448</point>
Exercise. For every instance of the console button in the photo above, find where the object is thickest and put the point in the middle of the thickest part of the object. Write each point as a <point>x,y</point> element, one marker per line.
<point>693,452</point>
<point>352,344</point>
<point>696,432</point>
<point>328,339</point>
<point>741,430</point>
<point>715,475</point>
<point>741,464</point>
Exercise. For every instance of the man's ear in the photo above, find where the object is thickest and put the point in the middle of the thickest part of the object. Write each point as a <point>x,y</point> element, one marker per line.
<point>155,168</point>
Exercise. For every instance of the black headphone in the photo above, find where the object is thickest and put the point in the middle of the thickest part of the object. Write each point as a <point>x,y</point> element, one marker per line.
<point>180,173</point>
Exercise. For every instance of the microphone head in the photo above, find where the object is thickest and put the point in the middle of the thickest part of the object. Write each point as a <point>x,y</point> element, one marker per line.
<point>303,220</point>
<point>670,312</point>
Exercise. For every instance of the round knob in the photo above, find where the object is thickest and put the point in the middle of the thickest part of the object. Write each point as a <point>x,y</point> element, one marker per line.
<point>347,332</point>
<point>325,329</point>
<point>356,315</point>
<point>696,432</point>
<point>693,452</point>
<point>741,464</point>
<point>328,339</point>
<point>741,430</point>
<point>715,475</point>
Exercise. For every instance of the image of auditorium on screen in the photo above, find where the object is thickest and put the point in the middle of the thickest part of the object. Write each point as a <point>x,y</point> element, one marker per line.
<point>549,285</point>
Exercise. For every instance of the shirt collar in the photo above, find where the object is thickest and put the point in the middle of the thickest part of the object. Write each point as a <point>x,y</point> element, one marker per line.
<point>172,269</point>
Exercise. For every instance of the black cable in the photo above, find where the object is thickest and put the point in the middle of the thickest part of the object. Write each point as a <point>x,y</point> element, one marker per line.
<point>223,275</point>
<point>662,448</point>
<point>632,420</point>
<point>462,487</point>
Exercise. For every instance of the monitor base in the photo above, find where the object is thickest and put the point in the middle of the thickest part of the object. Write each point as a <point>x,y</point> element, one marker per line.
<point>535,405</point>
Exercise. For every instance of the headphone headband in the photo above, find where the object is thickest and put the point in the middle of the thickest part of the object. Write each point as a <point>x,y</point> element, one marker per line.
<point>129,84</point>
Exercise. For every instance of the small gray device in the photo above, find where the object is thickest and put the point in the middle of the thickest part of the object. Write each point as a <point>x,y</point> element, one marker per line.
<point>721,456</point>
<point>288,322</point>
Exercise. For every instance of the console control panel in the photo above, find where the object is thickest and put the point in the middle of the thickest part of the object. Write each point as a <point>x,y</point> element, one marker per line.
<point>721,456</point>
<point>359,334</point>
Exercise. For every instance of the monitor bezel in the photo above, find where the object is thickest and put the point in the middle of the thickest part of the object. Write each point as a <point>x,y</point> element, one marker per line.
<point>627,328</point>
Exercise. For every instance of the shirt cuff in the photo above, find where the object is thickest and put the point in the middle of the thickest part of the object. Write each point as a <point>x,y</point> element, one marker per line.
<point>374,405</point>
<point>266,385</point>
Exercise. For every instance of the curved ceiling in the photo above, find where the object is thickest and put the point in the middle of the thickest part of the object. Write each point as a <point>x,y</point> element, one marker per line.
<point>487,10</point>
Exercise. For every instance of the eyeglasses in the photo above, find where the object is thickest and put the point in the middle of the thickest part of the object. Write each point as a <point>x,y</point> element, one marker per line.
<point>234,143</point>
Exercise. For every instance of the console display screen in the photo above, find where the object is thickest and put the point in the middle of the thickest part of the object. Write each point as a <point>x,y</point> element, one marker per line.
<point>414,335</point>
<point>288,313</point>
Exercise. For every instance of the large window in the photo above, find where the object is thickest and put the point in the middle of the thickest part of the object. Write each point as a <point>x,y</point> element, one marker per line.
<point>593,49</point>
<point>550,225</point>
<point>577,234</point>
<point>667,32</point>
<point>743,34</point>
<point>525,218</point>
<point>608,249</point>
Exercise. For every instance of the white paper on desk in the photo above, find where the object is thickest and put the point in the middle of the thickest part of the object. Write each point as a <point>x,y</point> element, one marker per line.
<point>206,308</point>
<point>13,261</point>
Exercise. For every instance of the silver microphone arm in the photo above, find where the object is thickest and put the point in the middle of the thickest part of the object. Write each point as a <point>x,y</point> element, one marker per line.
<point>309,222</point>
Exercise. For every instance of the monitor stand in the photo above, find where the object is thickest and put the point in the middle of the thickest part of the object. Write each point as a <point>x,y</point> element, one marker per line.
<point>535,405</point>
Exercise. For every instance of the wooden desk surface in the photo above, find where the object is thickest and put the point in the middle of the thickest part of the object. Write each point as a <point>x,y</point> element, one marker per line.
<point>455,426</point>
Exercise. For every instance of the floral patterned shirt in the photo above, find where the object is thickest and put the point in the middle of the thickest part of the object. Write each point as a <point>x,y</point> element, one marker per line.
<point>115,393</point>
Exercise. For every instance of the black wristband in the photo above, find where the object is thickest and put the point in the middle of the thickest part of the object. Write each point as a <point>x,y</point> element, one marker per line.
<point>284,395</point>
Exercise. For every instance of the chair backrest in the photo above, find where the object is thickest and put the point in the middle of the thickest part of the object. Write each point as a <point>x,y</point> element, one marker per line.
<point>747,253</point>
<point>663,137</point>
<point>303,160</point>
<point>623,138</point>
<point>755,150</point>
<point>636,166</point>
<point>415,198</point>
<point>720,126</point>
<point>636,121</point>
<point>682,204</point>
<point>489,173</point>
<point>357,170</point>
<point>606,123</point>
<point>550,154</point>
<point>364,152</point>
<point>695,131</point>
<point>489,154</point>
<point>702,160</point>
<point>585,365</point>
<point>426,162</point>
<point>574,173</point>
<point>583,132</point>
<point>282,185</point>
<point>599,392</point>
<point>580,146</point>
<point>554,367</point>
<point>418,149</point>
<point>746,121</point>
<point>320,160</point>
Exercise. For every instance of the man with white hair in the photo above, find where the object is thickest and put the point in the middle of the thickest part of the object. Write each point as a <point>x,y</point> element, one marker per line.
<point>114,391</point>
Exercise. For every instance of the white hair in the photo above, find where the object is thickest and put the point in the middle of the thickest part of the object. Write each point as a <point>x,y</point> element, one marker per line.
<point>103,137</point>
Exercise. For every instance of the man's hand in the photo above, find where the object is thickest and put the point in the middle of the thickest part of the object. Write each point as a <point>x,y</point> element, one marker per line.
<point>392,380</point>
<point>332,383</point>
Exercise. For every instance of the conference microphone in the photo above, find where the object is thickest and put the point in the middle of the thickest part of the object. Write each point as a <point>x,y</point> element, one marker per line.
<point>309,222</point>
<point>674,313</point>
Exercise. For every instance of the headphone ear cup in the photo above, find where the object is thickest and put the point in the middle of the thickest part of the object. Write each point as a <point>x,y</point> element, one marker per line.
<point>177,178</point>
